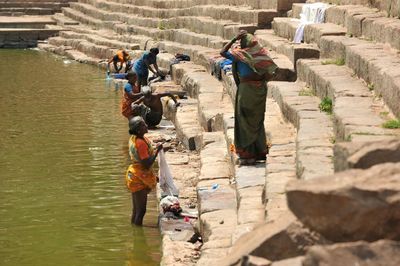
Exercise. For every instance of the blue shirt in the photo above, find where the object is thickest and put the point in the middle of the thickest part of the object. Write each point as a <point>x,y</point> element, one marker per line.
<point>128,87</point>
<point>243,69</point>
<point>140,66</point>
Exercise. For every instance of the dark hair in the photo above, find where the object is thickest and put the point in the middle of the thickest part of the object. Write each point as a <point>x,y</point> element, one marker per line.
<point>134,124</point>
<point>154,51</point>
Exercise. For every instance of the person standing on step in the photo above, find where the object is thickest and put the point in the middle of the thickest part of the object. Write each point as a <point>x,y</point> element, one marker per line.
<point>148,61</point>
<point>121,57</point>
<point>131,93</point>
<point>251,68</point>
<point>140,177</point>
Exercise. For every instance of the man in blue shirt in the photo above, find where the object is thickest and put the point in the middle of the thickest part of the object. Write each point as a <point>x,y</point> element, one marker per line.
<point>148,61</point>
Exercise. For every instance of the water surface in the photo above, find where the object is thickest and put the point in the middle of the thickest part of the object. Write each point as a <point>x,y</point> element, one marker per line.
<point>63,153</point>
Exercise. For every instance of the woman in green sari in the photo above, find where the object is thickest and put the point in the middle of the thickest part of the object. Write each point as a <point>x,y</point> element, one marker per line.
<point>252,68</point>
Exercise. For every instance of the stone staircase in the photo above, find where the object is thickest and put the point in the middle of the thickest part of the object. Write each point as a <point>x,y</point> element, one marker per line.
<point>336,67</point>
<point>23,23</point>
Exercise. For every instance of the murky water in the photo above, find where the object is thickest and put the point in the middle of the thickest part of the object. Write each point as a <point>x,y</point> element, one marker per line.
<point>63,153</point>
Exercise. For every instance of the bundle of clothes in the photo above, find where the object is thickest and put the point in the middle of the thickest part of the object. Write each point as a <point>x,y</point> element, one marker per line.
<point>219,64</point>
<point>171,204</point>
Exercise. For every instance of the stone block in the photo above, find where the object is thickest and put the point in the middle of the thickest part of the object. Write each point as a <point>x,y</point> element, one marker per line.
<point>337,206</point>
<point>382,252</point>
<point>364,155</point>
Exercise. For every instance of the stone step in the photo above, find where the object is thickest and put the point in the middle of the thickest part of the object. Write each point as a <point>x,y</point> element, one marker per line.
<point>31,22</point>
<point>241,14</point>
<point>363,22</point>
<point>69,52</point>
<point>63,20</point>
<point>202,25</point>
<point>187,126</point>
<point>286,27</point>
<point>373,62</point>
<point>199,85</point>
<point>283,46</point>
<point>180,35</point>
<point>357,112</point>
<point>95,39</point>
<point>281,161</point>
<point>31,11</point>
<point>29,4</point>
<point>83,46</point>
<point>24,38</point>
<point>282,5</point>
<point>81,18</point>
<point>314,145</point>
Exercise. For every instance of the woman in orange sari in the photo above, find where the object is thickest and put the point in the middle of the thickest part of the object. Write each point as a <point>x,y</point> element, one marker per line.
<point>140,177</point>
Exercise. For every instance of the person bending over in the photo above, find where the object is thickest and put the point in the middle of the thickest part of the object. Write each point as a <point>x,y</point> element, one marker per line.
<point>151,110</point>
<point>131,93</point>
<point>119,59</point>
<point>148,61</point>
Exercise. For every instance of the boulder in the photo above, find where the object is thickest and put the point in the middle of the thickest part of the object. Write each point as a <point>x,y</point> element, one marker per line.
<point>280,239</point>
<point>365,154</point>
<point>380,253</point>
<point>352,205</point>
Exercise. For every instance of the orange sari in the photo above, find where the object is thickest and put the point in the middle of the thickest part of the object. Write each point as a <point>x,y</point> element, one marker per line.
<point>137,176</point>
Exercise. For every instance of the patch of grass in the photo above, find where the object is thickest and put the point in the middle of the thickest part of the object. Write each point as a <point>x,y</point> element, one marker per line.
<point>162,25</point>
<point>332,139</point>
<point>371,86</point>
<point>338,62</point>
<point>384,114</point>
<point>326,105</point>
<point>348,138</point>
<point>394,123</point>
<point>306,92</point>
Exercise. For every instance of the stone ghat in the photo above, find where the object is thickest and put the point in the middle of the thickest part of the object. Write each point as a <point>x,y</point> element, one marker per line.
<point>253,216</point>
<point>23,23</point>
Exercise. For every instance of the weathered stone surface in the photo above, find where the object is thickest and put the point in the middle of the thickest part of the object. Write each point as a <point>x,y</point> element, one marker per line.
<point>218,224</point>
<point>253,261</point>
<point>379,253</point>
<point>296,261</point>
<point>338,206</point>
<point>365,154</point>
<point>280,239</point>
<point>222,198</point>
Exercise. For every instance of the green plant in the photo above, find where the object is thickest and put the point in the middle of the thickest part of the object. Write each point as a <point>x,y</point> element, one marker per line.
<point>393,123</point>
<point>306,92</point>
<point>348,138</point>
<point>338,62</point>
<point>162,25</point>
<point>332,139</point>
<point>371,86</point>
<point>326,105</point>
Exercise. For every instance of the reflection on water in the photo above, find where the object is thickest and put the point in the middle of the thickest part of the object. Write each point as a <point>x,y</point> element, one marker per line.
<point>63,153</point>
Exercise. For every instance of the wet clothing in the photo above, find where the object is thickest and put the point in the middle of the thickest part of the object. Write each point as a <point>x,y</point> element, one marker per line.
<point>249,63</point>
<point>141,68</point>
<point>127,101</point>
<point>137,176</point>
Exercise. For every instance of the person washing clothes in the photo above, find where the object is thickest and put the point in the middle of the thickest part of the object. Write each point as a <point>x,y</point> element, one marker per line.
<point>140,177</point>
<point>251,68</point>
<point>119,59</point>
<point>131,93</point>
<point>151,110</point>
<point>148,61</point>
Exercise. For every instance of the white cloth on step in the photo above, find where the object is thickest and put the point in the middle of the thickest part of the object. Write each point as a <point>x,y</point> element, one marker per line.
<point>166,182</point>
<point>310,14</point>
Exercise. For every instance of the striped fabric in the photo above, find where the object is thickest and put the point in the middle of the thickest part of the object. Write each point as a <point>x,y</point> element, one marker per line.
<point>255,56</point>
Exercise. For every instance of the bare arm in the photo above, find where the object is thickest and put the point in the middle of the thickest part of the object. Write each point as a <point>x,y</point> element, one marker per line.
<point>139,101</point>
<point>170,95</point>
<point>227,46</point>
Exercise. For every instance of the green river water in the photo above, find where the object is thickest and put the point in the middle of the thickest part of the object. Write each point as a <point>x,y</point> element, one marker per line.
<point>63,154</point>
